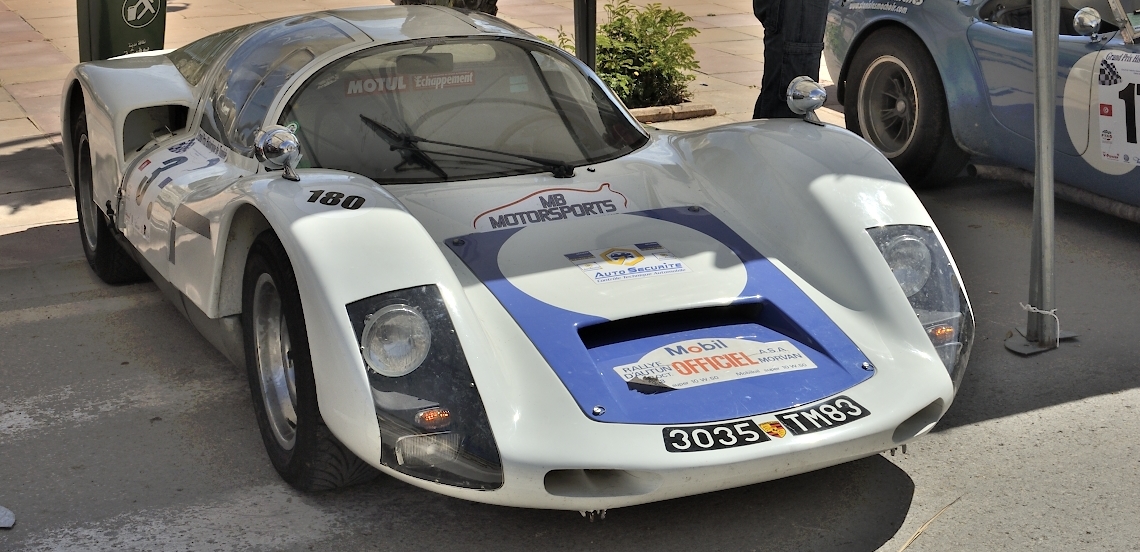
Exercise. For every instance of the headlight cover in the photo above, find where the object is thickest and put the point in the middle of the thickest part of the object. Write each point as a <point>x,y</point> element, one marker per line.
<point>395,340</point>
<point>432,421</point>
<point>923,270</point>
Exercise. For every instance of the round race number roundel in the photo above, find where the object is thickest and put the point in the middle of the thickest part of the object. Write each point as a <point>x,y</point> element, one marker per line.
<point>140,13</point>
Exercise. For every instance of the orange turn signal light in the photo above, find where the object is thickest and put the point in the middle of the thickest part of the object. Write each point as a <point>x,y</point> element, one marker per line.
<point>433,418</point>
<point>940,334</point>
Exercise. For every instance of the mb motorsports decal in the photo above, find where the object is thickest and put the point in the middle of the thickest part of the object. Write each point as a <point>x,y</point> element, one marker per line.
<point>552,204</point>
<point>699,362</point>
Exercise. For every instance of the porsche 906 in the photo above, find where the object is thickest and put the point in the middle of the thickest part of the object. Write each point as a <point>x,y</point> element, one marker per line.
<point>445,251</point>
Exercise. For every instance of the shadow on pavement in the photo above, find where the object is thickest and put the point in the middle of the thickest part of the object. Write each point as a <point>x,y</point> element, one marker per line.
<point>987,225</point>
<point>31,173</point>
<point>53,242</point>
<point>855,506</point>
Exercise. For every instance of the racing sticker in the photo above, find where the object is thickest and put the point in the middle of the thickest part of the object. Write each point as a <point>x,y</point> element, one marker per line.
<point>697,362</point>
<point>550,205</point>
<point>630,262</point>
<point>334,198</point>
<point>1118,89</point>
<point>897,6</point>
<point>826,415</point>
<point>369,85</point>
<point>165,165</point>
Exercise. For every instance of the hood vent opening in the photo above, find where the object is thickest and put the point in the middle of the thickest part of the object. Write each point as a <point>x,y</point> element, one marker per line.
<point>664,323</point>
<point>758,312</point>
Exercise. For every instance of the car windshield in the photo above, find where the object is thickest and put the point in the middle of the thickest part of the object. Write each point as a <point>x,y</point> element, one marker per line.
<point>456,109</point>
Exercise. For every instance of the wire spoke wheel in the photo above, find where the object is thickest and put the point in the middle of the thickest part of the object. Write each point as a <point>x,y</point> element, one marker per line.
<point>275,369</point>
<point>888,105</point>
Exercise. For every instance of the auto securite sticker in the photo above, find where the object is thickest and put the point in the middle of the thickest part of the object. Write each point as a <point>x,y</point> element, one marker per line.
<point>1118,89</point>
<point>550,205</point>
<point>826,415</point>
<point>697,362</point>
<point>630,262</point>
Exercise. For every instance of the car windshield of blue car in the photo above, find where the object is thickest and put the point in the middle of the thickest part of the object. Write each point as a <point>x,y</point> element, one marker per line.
<point>456,109</point>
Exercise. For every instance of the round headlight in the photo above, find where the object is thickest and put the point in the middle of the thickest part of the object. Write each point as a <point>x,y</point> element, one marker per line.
<point>909,260</point>
<point>396,340</point>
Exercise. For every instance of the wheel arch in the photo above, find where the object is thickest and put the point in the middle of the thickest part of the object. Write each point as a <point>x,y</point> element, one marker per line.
<point>73,105</point>
<point>245,225</point>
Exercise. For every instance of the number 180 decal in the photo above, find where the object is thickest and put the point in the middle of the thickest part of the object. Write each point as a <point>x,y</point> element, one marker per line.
<point>713,437</point>
<point>330,198</point>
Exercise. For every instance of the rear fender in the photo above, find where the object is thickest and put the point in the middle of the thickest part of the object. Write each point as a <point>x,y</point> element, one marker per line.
<point>109,91</point>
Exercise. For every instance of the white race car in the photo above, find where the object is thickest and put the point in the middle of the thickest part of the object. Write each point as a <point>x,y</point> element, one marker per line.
<point>444,250</point>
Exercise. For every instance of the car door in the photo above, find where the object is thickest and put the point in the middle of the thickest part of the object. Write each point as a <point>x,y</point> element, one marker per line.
<point>1003,45</point>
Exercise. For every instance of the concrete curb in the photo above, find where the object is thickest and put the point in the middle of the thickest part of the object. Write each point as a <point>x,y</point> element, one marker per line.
<point>672,112</point>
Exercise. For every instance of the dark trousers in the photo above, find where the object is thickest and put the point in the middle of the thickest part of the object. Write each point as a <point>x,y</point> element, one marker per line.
<point>793,42</point>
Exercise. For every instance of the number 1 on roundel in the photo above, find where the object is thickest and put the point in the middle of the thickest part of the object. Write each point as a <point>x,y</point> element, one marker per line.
<point>1129,95</point>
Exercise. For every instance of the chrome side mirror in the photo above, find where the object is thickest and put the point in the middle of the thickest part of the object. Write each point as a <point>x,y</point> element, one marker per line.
<point>1087,23</point>
<point>804,97</point>
<point>276,147</point>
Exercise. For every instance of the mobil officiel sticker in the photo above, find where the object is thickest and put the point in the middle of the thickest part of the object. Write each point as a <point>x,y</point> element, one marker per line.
<point>551,205</point>
<point>698,362</point>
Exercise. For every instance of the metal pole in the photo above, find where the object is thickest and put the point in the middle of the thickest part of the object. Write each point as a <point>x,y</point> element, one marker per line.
<point>1042,328</point>
<point>585,30</point>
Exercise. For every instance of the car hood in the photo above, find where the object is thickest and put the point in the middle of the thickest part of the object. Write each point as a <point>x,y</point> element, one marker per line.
<point>649,310</point>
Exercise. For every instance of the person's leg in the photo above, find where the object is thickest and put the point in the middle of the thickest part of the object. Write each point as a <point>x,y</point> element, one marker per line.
<point>792,46</point>
<point>768,12</point>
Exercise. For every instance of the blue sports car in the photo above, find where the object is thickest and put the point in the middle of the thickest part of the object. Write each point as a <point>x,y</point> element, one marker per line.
<point>933,82</point>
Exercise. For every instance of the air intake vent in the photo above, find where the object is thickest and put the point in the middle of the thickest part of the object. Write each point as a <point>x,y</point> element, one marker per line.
<point>663,323</point>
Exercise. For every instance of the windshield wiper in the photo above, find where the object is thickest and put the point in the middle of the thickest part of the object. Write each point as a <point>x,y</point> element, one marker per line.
<point>407,142</point>
<point>407,148</point>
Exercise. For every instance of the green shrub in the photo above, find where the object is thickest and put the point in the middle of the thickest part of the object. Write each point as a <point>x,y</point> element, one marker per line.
<point>643,54</point>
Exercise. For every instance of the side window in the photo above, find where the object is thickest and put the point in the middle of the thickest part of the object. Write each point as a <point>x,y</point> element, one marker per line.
<point>192,60</point>
<point>257,70</point>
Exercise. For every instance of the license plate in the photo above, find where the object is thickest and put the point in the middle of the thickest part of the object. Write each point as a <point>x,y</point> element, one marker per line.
<point>826,415</point>
<point>713,436</point>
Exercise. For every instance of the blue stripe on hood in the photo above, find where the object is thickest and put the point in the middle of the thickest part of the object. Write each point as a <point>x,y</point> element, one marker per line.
<point>788,314</point>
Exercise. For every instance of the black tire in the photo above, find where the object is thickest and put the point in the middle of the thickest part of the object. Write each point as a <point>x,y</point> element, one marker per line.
<point>107,258</point>
<point>302,449</point>
<point>895,100</point>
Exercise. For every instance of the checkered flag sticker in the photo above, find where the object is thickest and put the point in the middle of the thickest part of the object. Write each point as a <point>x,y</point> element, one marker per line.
<point>1108,75</point>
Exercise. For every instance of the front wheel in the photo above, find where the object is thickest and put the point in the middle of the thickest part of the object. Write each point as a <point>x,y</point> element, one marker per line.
<point>895,101</point>
<point>300,446</point>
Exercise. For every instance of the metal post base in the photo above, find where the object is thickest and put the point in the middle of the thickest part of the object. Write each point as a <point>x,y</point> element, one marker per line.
<point>1018,344</point>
